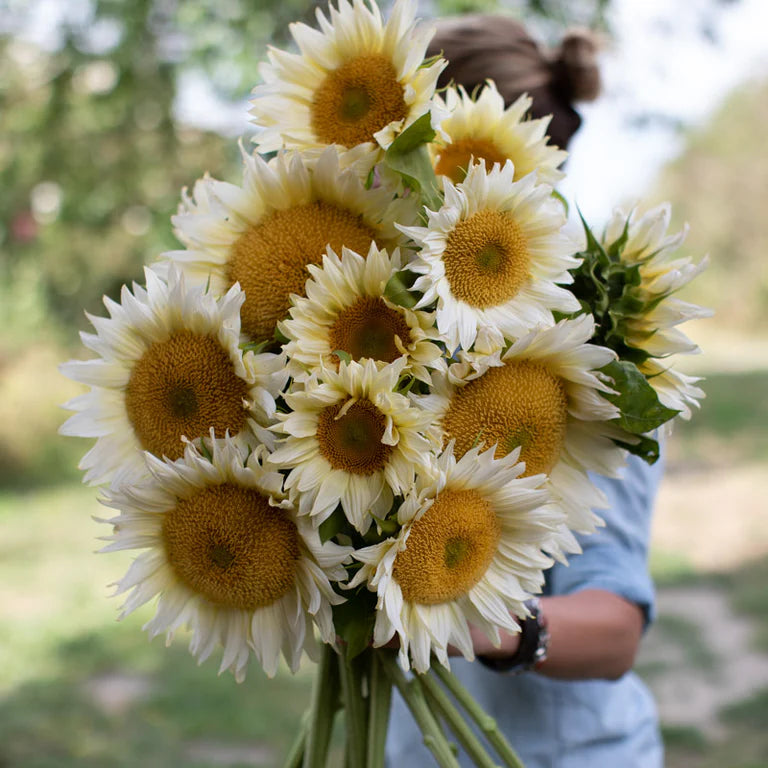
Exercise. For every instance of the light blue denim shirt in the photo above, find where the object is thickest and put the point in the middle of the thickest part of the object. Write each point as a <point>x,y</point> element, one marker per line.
<point>582,723</point>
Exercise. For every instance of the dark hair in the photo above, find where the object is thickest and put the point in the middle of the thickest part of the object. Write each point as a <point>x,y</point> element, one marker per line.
<point>482,47</point>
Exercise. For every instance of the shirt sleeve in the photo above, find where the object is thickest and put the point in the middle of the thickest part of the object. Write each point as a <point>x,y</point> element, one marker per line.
<point>615,558</point>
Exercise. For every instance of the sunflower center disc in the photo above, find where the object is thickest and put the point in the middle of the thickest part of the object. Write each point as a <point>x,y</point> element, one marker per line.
<point>184,386</point>
<point>486,259</point>
<point>368,329</point>
<point>448,549</point>
<point>357,100</point>
<point>227,544</point>
<point>520,404</point>
<point>270,259</point>
<point>454,160</point>
<point>352,442</point>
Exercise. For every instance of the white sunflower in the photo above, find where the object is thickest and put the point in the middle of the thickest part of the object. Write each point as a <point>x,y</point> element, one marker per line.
<point>346,310</point>
<point>482,129</point>
<point>493,256</point>
<point>169,367</point>
<point>653,328</point>
<point>352,440</point>
<point>544,396</point>
<point>226,555</point>
<point>469,550</point>
<point>356,81</point>
<point>265,233</point>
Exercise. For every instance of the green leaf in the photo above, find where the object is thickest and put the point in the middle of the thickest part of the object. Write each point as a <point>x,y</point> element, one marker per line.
<point>398,289</point>
<point>354,621</point>
<point>637,401</point>
<point>408,157</point>
<point>332,525</point>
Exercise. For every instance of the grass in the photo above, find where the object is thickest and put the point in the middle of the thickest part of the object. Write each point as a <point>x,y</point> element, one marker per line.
<point>731,424</point>
<point>60,644</point>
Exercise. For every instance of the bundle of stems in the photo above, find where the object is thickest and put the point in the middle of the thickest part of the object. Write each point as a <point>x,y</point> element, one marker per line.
<point>360,690</point>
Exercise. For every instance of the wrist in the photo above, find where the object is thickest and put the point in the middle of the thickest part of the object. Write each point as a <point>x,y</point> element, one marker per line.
<point>531,647</point>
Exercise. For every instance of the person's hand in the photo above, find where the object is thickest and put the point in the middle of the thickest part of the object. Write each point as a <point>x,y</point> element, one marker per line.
<point>484,647</point>
<point>481,644</point>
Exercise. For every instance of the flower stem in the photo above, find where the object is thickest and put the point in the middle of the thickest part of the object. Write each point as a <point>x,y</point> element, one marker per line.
<point>354,675</point>
<point>442,703</point>
<point>411,691</point>
<point>487,725</point>
<point>378,713</point>
<point>325,702</point>
<point>295,756</point>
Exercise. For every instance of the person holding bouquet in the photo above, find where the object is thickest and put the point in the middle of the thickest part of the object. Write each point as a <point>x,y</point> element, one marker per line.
<point>562,690</point>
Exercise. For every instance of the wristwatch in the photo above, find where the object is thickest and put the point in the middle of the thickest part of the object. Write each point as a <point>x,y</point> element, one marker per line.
<point>532,650</point>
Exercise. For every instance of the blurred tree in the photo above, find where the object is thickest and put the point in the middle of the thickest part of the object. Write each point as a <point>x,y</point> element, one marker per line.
<point>92,155</point>
<point>719,186</point>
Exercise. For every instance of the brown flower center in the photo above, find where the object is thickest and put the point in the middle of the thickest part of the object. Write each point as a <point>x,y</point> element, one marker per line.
<point>184,386</point>
<point>454,160</point>
<point>520,404</point>
<point>486,259</point>
<point>368,328</point>
<point>357,100</point>
<point>448,549</point>
<point>270,259</point>
<point>227,544</point>
<point>352,442</point>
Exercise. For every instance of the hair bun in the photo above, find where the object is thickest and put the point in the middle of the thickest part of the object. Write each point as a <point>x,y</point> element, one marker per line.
<point>576,65</point>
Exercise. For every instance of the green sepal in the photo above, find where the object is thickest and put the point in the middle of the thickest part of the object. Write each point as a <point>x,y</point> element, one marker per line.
<point>280,337</point>
<point>640,409</point>
<point>257,347</point>
<point>354,621</point>
<point>408,157</point>
<point>645,447</point>
<point>558,196</point>
<point>398,289</point>
<point>606,287</point>
<point>345,357</point>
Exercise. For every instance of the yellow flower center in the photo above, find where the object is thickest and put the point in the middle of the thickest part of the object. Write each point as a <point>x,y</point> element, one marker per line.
<point>448,549</point>
<point>454,160</point>
<point>368,328</point>
<point>356,100</point>
<point>229,545</point>
<point>352,442</point>
<point>184,386</point>
<point>486,259</point>
<point>520,404</point>
<point>270,259</point>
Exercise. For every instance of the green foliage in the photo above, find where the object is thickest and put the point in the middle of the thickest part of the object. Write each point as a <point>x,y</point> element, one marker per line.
<point>408,157</point>
<point>639,406</point>
<point>609,289</point>
<point>354,620</point>
<point>398,289</point>
<point>91,164</point>
<point>718,187</point>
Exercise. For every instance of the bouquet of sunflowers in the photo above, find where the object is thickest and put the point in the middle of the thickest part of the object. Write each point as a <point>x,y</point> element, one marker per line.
<point>356,413</point>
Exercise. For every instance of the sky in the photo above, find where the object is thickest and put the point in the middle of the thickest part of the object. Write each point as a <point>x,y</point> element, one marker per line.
<point>660,63</point>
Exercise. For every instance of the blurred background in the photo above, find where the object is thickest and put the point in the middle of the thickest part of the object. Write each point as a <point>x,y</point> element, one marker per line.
<point>108,108</point>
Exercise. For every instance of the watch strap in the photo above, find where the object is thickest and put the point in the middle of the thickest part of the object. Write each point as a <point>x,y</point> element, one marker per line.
<point>534,642</point>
